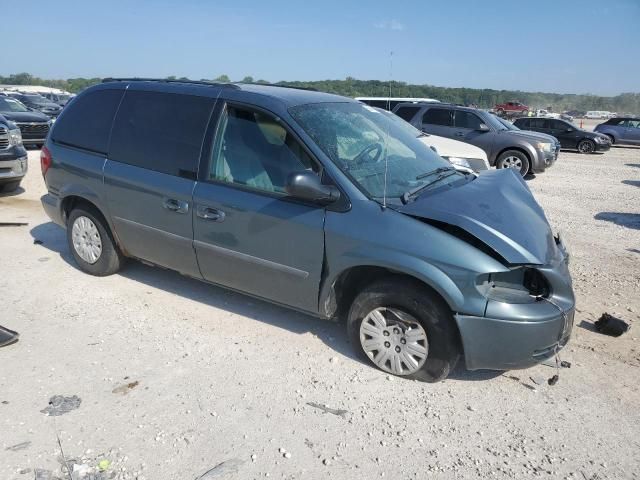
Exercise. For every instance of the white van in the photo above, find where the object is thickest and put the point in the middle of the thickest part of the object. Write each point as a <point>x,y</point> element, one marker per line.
<point>597,114</point>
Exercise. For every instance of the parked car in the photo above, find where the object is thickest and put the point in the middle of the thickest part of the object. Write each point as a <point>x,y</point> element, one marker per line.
<point>34,126</point>
<point>457,153</point>
<point>575,113</point>
<point>511,108</point>
<point>389,103</point>
<point>13,156</point>
<point>596,114</point>
<point>504,148</point>
<point>57,98</point>
<point>621,130</point>
<point>39,103</point>
<point>570,136</point>
<point>319,203</point>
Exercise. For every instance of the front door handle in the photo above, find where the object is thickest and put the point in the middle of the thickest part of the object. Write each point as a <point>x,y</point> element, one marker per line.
<point>177,206</point>
<point>209,213</point>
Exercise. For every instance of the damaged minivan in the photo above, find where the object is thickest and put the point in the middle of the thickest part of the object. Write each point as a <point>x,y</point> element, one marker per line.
<point>318,203</point>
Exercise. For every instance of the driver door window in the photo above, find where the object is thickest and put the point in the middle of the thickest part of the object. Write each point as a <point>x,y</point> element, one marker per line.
<point>255,150</point>
<point>467,120</point>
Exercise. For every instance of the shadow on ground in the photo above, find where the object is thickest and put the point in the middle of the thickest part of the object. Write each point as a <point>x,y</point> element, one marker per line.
<point>332,334</point>
<point>17,191</point>
<point>637,165</point>
<point>633,183</point>
<point>629,220</point>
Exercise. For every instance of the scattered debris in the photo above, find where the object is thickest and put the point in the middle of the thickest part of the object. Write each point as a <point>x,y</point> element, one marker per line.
<point>59,405</point>
<point>44,259</point>
<point>13,224</point>
<point>37,242</point>
<point>325,409</point>
<point>538,380</point>
<point>19,446</point>
<point>7,337</point>
<point>565,364</point>
<point>228,466</point>
<point>612,326</point>
<point>553,380</point>
<point>42,474</point>
<point>124,389</point>
<point>104,465</point>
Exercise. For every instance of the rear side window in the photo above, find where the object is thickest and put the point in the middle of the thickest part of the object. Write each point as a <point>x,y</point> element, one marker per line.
<point>467,120</point>
<point>438,116</point>
<point>407,113</point>
<point>161,132</point>
<point>86,122</point>
<point>522,123</point>
<point>539,123</point>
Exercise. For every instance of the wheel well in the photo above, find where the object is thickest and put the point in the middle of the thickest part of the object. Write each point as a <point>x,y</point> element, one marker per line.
<point>517,149</point>
<point>355,279</point>
<point>612,137</point>
<point>73,201</point>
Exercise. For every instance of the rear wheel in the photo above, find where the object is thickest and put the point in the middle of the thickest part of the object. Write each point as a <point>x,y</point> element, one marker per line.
<point>514,159</point>
<point>91,243</point>
<point>500,111</point>
<point>525,113</point>
<point>404,329</point>
<point>586,146</point>
<point>10,186</point>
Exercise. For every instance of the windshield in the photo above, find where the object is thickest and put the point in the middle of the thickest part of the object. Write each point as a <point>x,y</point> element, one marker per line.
<point>494,121</point>
<point>507,124</point>
<point>11,105</point>
<point>361,141</point>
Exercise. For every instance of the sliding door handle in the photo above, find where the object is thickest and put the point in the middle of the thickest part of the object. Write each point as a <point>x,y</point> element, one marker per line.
<point>209,213</point>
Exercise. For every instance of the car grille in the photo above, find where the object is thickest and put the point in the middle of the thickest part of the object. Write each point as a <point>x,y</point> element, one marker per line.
<point>34,129</point>
<point>4,138</point>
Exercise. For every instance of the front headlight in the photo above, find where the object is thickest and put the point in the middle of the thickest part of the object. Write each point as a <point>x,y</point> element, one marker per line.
<point>15,137</point>
<point>519,285</point>
<point>463,162</point>
<point>602,139</point>
<point>545,147</point>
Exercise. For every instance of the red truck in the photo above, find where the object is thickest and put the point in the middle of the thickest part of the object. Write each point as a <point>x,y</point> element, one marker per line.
<point>511,107</point>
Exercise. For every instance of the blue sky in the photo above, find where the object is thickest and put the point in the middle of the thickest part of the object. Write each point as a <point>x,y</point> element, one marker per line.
<point>574,46</point>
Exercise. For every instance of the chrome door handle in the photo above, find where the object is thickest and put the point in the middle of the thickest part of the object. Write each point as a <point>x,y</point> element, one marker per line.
<point>178,206</point>
<point>209,213</point>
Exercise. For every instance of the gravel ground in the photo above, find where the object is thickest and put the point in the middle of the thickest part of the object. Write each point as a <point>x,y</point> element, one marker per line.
<point>176,377</point>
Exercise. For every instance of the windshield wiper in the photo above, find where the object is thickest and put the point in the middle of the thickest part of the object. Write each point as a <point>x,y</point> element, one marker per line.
<point>406,196</point>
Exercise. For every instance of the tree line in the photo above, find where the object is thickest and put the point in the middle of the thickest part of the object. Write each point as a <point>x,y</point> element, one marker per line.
<point>351,87</point>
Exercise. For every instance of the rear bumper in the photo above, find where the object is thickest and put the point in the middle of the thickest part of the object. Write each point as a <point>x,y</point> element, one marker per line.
<point>497,344</point>
<point>52,206</point>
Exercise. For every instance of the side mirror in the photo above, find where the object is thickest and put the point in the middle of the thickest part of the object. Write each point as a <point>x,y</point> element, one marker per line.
<point>483,128</point>
<point>307,186</point>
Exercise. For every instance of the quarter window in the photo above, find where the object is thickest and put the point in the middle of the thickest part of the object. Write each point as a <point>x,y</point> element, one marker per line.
<point>255,150</point>
<point>438,116</point>
<point>86,122</point>
<point>161,131</point>
<point>539,123</point>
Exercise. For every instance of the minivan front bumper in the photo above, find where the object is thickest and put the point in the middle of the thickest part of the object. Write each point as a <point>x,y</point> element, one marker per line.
<point>498,344</point>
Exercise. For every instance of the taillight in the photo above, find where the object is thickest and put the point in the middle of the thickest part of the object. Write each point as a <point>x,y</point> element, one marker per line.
<point>45,160</point>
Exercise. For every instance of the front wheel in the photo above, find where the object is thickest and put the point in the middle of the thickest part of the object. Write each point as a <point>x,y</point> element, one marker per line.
<point>586,146</point>
<point>404,329</point>
<point>91,243</point>
<point>514,159</point>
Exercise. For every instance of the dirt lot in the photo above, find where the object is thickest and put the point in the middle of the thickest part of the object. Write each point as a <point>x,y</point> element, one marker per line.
<point>176,377</point>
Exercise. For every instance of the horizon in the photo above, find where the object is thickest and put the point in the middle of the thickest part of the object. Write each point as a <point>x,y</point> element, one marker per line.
<point>283,40</point>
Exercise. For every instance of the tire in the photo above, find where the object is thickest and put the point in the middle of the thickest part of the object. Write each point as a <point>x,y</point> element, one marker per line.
<point>411,305</point>
<point>500,111</point>
<point>100,255</point>
<point>10,186</point>
<point>525,113</point>
<point>586,146</point>
<point>514,159</point>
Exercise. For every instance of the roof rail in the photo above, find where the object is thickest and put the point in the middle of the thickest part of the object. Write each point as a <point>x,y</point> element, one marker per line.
<point>167,80</point>
<point>309,89</point>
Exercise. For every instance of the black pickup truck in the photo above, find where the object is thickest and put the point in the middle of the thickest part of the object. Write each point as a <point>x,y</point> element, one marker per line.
<point>34,126</point>
<point>13,156</point>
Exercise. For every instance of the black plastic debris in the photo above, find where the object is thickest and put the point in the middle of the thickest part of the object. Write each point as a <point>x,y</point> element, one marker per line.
<point>7,337</point>
<point>565,364</point>
<point>37,242</point>
<point>553,380</point>
<point>612,326</point>
<point>13,224</point>
<point>325,409</point>
<point>59,405</point>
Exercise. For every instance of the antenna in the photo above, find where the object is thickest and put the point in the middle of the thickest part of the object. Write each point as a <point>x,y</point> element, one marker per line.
<point>386,142</point>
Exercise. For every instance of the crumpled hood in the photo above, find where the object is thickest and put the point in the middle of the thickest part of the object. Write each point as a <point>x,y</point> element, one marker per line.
<point>25,116</point>
<point>498,209</point>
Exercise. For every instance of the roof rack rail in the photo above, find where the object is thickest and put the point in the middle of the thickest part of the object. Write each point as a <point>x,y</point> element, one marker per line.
<point>167,80</point>
<point>309,89</point>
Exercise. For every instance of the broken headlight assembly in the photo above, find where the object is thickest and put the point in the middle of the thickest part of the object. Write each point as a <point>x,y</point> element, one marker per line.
<point>519,285</point>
